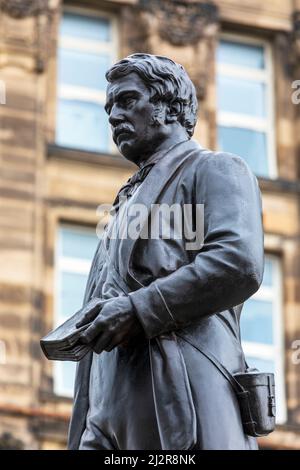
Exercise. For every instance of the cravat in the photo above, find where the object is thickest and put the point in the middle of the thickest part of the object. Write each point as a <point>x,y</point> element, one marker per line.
<point>126,190</point>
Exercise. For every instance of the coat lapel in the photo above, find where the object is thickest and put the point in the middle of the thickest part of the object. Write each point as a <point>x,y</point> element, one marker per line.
<point>151,188</point>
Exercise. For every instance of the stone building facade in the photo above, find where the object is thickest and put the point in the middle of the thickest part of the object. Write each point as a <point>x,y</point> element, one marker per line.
<point>58,164</point>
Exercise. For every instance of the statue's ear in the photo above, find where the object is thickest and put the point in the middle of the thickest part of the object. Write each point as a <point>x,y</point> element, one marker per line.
<point>174,110</point>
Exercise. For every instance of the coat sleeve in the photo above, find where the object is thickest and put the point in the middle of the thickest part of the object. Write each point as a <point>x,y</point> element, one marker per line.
<point>228,268</point>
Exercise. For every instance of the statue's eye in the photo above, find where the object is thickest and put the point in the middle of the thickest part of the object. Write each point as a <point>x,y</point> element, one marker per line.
<point>128,101</point>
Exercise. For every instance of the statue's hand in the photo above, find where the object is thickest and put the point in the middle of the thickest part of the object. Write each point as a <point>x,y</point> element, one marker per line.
<point>116,324</point>
<point>91,310</point>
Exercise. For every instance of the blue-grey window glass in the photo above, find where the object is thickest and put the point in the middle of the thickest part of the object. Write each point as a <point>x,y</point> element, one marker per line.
<point>81,122</point>
<point>245,55</point>
<point>257,321</point>
<point>250,145</point>
<point>82,125</point>
<point>268,273</point>
<point>86,27</point>
<point>83,69</point>
<point>241,96</point>
<point>71,294</point>
<point>263,365</point>
<point>258,317</point>
<point>68,376</point>
<point>75,245</point>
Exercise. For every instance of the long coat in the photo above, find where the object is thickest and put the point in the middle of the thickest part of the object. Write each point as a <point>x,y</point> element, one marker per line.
<point>190,298</point>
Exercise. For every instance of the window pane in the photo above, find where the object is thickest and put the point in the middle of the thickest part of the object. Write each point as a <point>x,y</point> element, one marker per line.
<point>83,69</point>
<point>68,376</point>
<point>81,120</point>
<point>241,96</point>
<point>257,322</point>
<point>268,273</point>
<point>86,27</point>
<point>71,294</point>
<point>263,365</point>
<point>78,244</point>
<point>250,145</point>
<point>243,55</point>
<point>82,125</point>
<point>75,244</point>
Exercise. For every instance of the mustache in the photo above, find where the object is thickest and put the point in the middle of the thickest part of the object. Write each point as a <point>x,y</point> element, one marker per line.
<point>122,128</point>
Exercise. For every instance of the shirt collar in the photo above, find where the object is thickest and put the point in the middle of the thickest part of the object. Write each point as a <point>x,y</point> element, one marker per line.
<point>155,157</point>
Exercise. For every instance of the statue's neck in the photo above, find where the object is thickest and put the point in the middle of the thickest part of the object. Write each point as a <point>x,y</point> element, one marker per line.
<point>170,141</point>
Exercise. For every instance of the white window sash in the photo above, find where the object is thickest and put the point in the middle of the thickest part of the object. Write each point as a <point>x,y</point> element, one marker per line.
<point>60,389</point>
<point>264,293</point>
<point>270,107</point>
<point>111,47</point>
<point>276,351</point>
<point>236,71</point>
<point>266,76</point>
<point>259,350</point>
<point>245,39</point>
<point>70,92</point>
<point>114,42</point>
<point>85,45</point>
<point>244,121</point>
<point>278,331</point>
<point>74,265</point>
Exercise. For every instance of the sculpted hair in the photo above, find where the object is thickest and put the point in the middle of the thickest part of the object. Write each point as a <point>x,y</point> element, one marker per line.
<point>167,81</point>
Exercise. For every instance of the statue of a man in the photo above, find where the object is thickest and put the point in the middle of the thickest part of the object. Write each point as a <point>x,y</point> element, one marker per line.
<point>164,304</point>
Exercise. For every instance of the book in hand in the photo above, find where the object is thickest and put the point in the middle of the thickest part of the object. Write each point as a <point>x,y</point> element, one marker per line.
<point>63,343</point>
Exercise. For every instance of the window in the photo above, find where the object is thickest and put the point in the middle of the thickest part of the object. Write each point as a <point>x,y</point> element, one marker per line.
<point>86,50</point>
<point>245,109</point>
<point>75,249</point>
<point>262,330</point>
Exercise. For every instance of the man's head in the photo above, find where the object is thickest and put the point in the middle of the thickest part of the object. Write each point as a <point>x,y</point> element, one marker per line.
<point>149,99</point>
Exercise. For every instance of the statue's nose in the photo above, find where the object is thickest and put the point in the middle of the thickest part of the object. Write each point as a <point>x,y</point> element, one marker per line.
<point>115,116</point>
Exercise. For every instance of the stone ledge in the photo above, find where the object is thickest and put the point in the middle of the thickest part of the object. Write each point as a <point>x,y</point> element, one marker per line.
<point>279,185</point>
<point>87,157</point>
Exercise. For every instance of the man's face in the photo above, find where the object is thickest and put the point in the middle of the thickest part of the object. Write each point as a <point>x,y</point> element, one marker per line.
<point>131,118</point>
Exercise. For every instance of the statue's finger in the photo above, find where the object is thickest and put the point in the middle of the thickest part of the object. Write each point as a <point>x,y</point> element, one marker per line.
<point>90,315</point>
<point>115,341</point>
<point>102,342</point>
<point>92,331</point>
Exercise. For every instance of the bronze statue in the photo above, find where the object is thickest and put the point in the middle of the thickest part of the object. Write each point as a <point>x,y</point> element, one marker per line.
<point>164,306</point>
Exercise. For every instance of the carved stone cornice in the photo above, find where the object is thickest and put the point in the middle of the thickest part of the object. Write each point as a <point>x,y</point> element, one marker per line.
<point>179,24</point>
<point>182,22</point>
<point>23,8</point>
<point>288,47</point>
<point>26,45</point>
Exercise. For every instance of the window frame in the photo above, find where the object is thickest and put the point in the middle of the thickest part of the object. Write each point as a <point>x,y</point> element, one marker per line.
<point>276,351</point>
<point>266,76</point>
<point>64,264</point>
<point>86,94</point>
